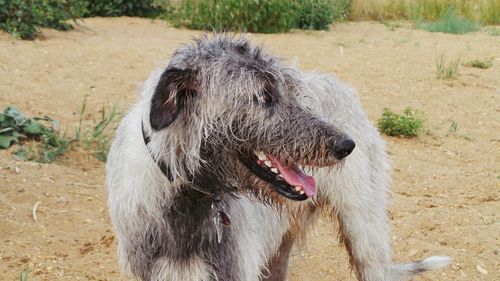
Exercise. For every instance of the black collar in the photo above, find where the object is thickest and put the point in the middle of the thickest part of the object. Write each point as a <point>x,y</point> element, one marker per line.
<point>163,167</point>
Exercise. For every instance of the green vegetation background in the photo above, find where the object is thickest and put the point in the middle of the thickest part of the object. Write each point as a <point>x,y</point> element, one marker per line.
<point>23,18</point>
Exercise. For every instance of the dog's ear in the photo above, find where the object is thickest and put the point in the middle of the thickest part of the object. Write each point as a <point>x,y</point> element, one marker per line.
<point>172,94</point>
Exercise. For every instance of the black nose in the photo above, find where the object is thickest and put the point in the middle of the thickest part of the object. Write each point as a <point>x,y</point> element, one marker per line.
<point>343,148</point>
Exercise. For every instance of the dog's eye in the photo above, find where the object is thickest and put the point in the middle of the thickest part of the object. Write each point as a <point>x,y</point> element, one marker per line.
<point>267,97</point>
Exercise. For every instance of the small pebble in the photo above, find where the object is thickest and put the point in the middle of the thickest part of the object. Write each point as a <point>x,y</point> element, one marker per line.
<point>481,270</point>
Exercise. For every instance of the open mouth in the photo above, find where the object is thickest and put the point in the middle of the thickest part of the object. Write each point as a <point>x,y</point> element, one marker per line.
<point>289,180</point>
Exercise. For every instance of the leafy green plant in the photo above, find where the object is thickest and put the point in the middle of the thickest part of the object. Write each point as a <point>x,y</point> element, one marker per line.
<point>450,23</point>
<point>18,19</point>
<point>479,63</point>
<point>446,70</point>
<point>319,14</point>
<point>22,18</point>
<point>15,129</point>
<point>255,15</point>
<point>38,138</point>
<point>97,138</point>
<point>114,8</point>
<point>408,124</point>
<point>341,9</point>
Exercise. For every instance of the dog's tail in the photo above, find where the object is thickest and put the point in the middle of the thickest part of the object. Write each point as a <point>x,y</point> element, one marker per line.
<point>408,270</point>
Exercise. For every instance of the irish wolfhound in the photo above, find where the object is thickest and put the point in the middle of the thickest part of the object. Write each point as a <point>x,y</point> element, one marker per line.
<point>209,174</point>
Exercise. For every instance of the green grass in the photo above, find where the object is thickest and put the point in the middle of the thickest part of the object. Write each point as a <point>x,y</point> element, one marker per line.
<point>378,10</point>
<point>446,70</point>
<point>480,63</point>
<point>391,25</point>
<point>480,11</point>
<point>407,124</point>
<point>489,12</point>
<point>97,138</point>
<point>493,31</point>
<point>450,23</point>
<point>453,128</point>
<point>23,18</point>
<point>23,275</point>
<point>453,131</point>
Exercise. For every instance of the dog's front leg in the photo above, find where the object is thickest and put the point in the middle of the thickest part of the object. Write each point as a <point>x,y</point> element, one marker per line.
<point>357,199</point>
<point>363,228</point>
<point>364,234</point>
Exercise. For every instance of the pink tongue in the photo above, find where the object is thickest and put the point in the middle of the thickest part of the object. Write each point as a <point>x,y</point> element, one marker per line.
<point>296,177</point>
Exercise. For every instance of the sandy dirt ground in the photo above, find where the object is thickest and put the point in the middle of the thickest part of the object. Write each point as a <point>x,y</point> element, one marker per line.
<point>445,183</point>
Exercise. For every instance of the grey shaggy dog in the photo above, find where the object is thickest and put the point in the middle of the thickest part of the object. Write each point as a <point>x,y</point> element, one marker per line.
<point>227,159</point>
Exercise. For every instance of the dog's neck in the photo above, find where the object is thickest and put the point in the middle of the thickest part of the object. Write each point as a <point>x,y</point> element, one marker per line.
<point>197,194</point>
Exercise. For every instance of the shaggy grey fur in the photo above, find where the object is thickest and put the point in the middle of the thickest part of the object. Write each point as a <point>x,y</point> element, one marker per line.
<point>216,103</point>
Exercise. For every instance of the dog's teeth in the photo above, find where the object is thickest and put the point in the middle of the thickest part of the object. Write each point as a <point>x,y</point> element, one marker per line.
<point>300,167</point>
<point>261,156</point>
<point>280,176</point>
<point>274,170</point>
<point>268,163</point>
<point>301,192</point>
<point>298,188</point>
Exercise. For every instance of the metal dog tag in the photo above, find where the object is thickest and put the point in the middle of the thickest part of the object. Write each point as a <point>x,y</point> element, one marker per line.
<point>218,227</point>
<point>221,218</point>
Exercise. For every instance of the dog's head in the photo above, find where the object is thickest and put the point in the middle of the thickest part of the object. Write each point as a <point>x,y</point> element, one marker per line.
<point>229,110</point>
